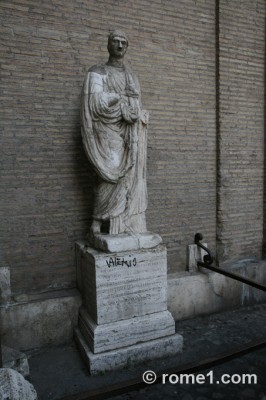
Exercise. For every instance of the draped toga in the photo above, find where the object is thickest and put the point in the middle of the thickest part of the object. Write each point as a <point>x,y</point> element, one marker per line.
<point>116,146</point>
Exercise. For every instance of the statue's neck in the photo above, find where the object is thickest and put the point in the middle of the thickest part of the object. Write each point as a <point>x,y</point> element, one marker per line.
<point>116,62</point>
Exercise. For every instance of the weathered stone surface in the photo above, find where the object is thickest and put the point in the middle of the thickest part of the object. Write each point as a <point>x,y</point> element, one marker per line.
<point>124,333</point>
<point>40,134</point>
<point>14,387</point>
<point>23,325</point>
<point>5,291</point>
<point>124,241</point>
<point>114,135</point>
<point>43,321</point>
<point>114,243</point>
<point>115,359</point>
<point>241,153</point>
<point>205,292</point>
<point>194,254</point>
<point>117,286</point>
<point>16,360</point>
<point>148,240</point>
<point>124,317</point>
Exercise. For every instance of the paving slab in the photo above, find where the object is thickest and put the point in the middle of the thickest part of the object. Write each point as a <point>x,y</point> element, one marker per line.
<point>58,372</point>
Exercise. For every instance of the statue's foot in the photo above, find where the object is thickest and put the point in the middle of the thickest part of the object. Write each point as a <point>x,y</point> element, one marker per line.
<point>96,227</point>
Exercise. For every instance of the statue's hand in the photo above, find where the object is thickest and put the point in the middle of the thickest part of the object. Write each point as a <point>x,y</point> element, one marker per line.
<point>130,92</point>
<point>129,114</point>
<point>113,98</point>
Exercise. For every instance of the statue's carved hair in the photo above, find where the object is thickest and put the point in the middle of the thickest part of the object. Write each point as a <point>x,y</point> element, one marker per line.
<point>119,33</point>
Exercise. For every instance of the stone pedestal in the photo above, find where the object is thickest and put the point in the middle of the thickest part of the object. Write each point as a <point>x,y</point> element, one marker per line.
<point>124,316</point>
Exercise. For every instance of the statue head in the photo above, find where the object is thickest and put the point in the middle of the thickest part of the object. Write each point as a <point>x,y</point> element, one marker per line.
<point>117,44</point>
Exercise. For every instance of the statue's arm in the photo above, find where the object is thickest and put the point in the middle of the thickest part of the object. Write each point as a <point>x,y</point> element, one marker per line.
<point>97,93</point>
<point>112,105</point>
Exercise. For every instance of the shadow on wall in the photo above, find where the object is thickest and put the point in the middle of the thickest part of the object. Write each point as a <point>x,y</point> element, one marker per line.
<point>85,177</point>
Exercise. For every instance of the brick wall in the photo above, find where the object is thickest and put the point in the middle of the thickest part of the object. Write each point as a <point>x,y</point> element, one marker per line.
<point>242,68</point>
<point>46,184</point>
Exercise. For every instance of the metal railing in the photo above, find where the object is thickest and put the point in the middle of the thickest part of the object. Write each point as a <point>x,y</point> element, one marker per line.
<point>208,261</point>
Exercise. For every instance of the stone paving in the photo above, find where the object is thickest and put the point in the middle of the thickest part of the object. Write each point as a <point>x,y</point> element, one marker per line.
<point>58,372</point>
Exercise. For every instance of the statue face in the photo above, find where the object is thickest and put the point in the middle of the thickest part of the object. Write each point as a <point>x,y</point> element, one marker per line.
<point>117,46</point>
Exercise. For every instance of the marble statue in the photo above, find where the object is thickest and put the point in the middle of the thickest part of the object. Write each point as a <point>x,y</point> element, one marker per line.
<point>114,133</point>
<point>121,273</point>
